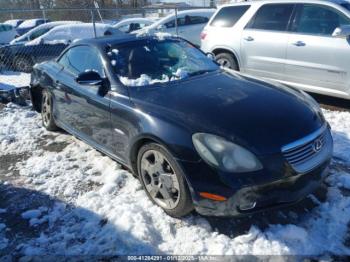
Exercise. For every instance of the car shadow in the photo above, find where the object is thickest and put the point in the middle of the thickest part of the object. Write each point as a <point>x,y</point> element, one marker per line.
<point>332,103</point>
<point>81,232</point>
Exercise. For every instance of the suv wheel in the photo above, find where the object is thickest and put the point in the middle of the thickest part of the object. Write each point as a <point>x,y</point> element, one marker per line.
<point>227,60</point>
<point>163,180</point>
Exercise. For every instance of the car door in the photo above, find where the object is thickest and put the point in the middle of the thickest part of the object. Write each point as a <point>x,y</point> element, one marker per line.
<point>264,41</point>
<point>315,59</point>
<point>80,107</point>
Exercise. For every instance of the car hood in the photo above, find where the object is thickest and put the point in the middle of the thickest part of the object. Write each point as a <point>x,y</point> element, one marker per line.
<point>258,115</point>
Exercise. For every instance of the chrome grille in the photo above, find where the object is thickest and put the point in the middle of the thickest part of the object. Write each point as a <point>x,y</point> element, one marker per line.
<point>309,152</point>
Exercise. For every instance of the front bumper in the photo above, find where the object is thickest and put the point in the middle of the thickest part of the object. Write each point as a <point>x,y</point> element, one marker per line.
<point>286,179</point>
<point>253,199</point>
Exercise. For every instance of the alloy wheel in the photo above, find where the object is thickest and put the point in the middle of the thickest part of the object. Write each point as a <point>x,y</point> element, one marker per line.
<point>23,65</point>
<point>46,109</point>
<point>160,179</point>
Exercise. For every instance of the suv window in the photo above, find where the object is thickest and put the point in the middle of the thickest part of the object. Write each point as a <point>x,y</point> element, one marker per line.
<point>80,59</point>
<point>228,16</point>
<point>319,20</point>
<point>273,17</point>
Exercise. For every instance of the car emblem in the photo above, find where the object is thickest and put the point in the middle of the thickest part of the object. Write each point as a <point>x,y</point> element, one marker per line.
<point>317,146</point>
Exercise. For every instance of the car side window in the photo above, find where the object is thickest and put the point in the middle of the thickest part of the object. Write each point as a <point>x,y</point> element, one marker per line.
<point>229,16</point>
<point>274,17</point>
<point>7,27</point>
<point>80,59</point>
<point>181,21</point>
<point>194,20</point>
<point>38,33</point>
<point>319,20</point>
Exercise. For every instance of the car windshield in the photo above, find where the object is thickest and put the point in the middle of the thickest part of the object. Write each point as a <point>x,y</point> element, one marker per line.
<point>158,61</point>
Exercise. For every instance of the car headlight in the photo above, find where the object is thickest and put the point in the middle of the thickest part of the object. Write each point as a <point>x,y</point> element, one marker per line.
<point>224,155</point>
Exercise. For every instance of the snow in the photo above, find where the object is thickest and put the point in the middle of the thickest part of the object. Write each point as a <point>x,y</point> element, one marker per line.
<point>145,80</point>
<point>10,80</point>
<point>101,209</point>
<point>12,22</point>
<point>148,31</point>
<point>28,23</point>
<point>31,214</point>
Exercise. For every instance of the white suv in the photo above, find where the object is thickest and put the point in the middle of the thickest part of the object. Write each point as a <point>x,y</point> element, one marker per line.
<point>304,44</point>
<point>190,24</point>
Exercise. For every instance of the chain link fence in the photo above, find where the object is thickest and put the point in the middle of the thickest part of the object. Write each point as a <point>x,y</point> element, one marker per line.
<point>46,41</point>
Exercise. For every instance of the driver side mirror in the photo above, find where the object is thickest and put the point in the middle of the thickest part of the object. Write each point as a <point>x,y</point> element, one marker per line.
<point>342,32</point>
<point>93,79</point>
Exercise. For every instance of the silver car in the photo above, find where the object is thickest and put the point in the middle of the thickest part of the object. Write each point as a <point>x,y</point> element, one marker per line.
<point>304,44</point>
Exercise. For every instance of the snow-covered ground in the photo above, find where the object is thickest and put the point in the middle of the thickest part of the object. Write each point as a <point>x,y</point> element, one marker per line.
<point>10,80</point>
<point>60,196</point>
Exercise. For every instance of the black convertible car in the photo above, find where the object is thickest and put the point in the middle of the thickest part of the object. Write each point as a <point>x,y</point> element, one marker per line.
<point>197,136</point>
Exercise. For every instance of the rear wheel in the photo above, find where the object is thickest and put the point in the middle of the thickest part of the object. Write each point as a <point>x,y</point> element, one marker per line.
<point>163,180</point>
<point>46,112</point>
<point>227,60</point>
<point>23,64</point>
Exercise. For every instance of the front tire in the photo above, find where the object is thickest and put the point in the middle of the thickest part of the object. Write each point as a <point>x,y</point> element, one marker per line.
<point>163,180</point>
<point>227,60</point>
<point>46,112</point>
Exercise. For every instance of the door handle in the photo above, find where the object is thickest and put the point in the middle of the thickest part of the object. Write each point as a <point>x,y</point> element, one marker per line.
<point>299,43</point>
<point>249,38</point>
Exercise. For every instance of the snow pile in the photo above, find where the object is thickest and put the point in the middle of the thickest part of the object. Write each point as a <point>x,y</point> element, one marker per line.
<point>145,80</point>
<point>10,80</point>
<point>101,209</point>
